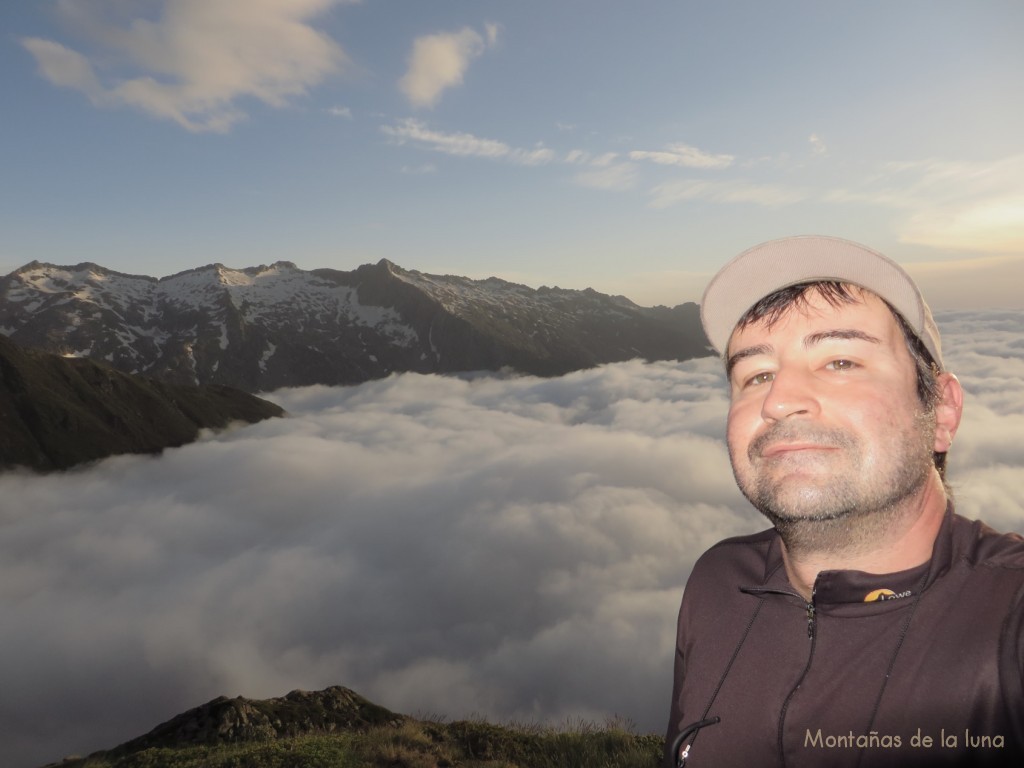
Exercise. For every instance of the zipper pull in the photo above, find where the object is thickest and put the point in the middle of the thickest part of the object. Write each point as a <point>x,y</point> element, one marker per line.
<point>684,756</point>
<point>810,616</point>
<point>689,732</point>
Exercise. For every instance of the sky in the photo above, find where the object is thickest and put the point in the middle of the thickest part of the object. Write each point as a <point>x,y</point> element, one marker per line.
<point>507,547</point>
<point>628,147</point>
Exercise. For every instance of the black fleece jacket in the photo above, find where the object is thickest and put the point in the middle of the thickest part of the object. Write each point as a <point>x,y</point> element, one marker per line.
<point>931,673</point>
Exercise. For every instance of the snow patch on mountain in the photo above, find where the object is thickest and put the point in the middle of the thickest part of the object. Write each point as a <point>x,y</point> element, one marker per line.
<point>269,353</point>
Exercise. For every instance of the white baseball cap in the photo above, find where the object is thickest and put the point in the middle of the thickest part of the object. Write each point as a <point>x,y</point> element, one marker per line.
<point>765,268</point>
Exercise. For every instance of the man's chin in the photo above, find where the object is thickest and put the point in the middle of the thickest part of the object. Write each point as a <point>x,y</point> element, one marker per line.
<point>790,518</point>
<point>808,505</point>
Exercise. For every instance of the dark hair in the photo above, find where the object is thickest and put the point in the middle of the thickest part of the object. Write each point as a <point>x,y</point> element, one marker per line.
<point>773,306</point>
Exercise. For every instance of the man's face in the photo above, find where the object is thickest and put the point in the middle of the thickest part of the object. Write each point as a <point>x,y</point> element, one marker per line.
<point>824,419</point>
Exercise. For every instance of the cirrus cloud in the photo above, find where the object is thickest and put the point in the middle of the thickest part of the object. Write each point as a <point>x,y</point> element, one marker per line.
<point>736,191</point>
<point>464,144</point>
<point>684,156</point>
<point>616,176</point>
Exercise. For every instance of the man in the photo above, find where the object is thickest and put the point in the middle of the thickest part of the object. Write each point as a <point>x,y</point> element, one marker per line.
<point>871,625</point>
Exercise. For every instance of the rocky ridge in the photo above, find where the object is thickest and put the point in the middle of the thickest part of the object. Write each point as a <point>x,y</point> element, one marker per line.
<point>225,720</point>
<point>266,327</point>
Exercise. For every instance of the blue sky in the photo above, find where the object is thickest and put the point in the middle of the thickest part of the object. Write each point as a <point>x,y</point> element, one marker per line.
<point>629,147</point>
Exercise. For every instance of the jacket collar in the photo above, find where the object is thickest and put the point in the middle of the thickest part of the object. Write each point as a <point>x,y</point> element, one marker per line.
<point>837,588</point>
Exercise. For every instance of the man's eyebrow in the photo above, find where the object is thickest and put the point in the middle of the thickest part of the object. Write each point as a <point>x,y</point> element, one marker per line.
<point>839,333</point>
<point>809,341</point>
<point>757,349</point>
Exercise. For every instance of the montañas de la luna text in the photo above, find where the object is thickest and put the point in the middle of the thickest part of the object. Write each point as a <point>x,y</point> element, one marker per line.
<point>919,740</point>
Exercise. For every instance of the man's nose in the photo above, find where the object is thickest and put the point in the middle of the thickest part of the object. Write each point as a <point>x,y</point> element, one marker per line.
<point>790,393</point>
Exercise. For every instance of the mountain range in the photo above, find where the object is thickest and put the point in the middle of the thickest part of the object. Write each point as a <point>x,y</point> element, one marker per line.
<point>266,327</point>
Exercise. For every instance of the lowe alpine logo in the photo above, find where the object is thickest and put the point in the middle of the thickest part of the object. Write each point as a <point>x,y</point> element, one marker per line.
<point>884,594</point>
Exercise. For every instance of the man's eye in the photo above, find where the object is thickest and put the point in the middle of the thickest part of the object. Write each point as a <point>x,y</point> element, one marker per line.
<point>760,378</point>
<point>841,365</point>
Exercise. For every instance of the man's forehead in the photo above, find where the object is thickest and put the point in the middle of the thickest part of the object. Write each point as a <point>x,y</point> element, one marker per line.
<point>815,303</point>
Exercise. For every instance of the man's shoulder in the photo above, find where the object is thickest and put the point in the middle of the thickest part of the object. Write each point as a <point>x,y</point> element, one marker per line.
<point>744,556</point>
<point>982,545</point>
<point>761,540</point>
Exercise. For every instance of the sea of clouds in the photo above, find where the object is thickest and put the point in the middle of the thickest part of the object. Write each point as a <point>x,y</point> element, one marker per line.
<point>512,548</point>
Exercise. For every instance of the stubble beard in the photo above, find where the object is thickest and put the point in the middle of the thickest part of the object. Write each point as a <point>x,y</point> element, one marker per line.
<point>841,511</point>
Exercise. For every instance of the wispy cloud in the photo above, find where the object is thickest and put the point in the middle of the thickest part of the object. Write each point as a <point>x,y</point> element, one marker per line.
<point>604,171</point>
<point>464,144</point>
<point>674,192</point>
<point>65,67</point>
<point>583,157</point>
<point>195,60</point>
<point>684,156</point>
<point>340,112</point>
<point>439,62</point>
<point>616,176</point>
<point>959,206</point>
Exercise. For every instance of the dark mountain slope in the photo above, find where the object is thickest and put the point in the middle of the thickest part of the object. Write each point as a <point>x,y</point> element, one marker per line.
<point>58,412</point>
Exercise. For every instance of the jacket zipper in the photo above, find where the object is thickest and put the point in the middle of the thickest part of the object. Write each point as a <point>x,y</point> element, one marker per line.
<point>812,635</point>
<point>812,620</point>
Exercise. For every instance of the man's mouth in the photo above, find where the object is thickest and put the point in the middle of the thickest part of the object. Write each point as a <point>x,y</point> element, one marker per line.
<point>783,441</point>
<point>776,450</point>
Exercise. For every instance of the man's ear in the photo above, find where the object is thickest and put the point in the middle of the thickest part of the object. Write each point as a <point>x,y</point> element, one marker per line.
<point>947,411</point>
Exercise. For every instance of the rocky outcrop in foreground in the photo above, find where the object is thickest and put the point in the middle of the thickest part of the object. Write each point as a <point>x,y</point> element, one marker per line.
<point>338,728</point>
<point>230,721</point>
<point>57,412</point>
